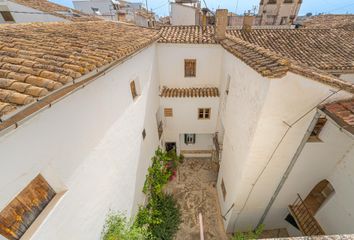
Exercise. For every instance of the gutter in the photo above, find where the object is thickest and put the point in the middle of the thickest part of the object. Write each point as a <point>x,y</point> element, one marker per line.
<point>12,121</point>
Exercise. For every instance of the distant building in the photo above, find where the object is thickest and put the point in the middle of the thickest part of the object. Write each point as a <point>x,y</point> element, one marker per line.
<point>278,12</point>
<point>21,11</point>
<point>185,13</point>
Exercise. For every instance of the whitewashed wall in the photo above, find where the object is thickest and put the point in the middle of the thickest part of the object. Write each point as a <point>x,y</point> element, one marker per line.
<point>317,162</point>
<point>89,143</point>
<point>185,118</point>
<point>23,16</point>
<point>254,156</point>
<point>183,15</point>
<point>348,77</point>
<point>171,64</point>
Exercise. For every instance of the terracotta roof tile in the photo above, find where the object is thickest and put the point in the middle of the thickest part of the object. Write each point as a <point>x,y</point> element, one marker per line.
<point>325,21</point>
<point>187,34</point>
<point>325,49</point>
<point>57,10</point>
<point>189,92</point>
<point>342,112</point>
<point>38,58</point>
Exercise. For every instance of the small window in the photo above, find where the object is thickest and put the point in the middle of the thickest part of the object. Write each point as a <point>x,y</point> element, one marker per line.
<point>133,90</point>
<point>7,16</point>
<point>190,67</point>
<point>168,112</point>
<point>314,137</point>
<point>204,113</point>
<point>23,210</point>
<point>189,138</point>
<point>223,189</point>
<point>144,133</point>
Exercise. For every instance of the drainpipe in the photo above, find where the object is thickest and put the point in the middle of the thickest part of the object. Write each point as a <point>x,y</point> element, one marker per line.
<point>290,167</point>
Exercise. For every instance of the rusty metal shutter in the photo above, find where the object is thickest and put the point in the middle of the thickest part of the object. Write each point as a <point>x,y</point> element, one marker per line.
<point>18,216</point>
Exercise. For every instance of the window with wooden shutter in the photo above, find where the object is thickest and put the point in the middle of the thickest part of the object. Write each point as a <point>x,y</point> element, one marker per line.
<point>7,16</point>
<point>314,137</point>
<point>204,113</point>
<point>22,211</point>
<point>133,89</point>
<point>190,66</point>
<point>168,112</point>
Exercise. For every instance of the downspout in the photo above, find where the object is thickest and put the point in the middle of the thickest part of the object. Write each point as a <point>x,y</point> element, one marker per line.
<point>290,167</point>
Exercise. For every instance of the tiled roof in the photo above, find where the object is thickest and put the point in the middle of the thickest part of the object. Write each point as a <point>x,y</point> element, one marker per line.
<point>265,62</point>
<point>342,112</point>
<point>38,58</point>
<point>272,65</point>
<point>189,92</point>
<point>187,34</point>
<point>330,50</point>
<point>57,10</point>
<point>345,21</point>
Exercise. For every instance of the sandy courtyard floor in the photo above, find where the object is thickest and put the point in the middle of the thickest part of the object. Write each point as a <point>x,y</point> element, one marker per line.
<point>194,189</point>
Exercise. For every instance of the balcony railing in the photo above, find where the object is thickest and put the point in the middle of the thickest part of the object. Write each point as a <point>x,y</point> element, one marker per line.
<point>304,218</point>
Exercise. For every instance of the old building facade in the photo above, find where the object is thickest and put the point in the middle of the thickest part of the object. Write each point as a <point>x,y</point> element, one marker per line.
<point>81,116</point>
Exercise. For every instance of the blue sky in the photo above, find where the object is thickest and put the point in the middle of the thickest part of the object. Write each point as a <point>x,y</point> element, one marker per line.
<point>314,6</point>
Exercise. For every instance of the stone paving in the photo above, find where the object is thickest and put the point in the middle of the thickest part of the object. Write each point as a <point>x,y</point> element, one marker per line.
<point>194,189</point>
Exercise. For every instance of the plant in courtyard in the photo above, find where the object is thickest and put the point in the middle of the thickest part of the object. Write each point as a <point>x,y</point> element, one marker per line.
<point>117,227</point>
<point>161,215</point>
<point>250,234</point>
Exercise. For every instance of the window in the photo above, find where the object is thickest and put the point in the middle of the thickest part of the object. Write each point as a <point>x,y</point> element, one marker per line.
<point>272,1</point>
<point>168,112</point>
<point>189,138</point>
<point>23,210</point>
<point>288,1</point>
<point>6,15</point>
<point>144,133</point>
<point>133,90</point>
<point>204,113</point>
<point>223,189</point>
<point>314,137</point>
<point>190,67</point>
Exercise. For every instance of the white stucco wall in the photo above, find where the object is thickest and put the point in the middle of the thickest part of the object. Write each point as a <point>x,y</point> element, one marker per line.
<point>183,15</point>
<point>90,144</point>
<point>185,119</point>
<point>254,156</point>
<point>171,64</point>
<point>317,162</point>
<point>21,14</point>
<point>348,77</point>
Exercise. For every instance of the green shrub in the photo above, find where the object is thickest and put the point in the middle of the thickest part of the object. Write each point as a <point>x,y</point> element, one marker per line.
<point>249,235</point>
<point>117,227</point>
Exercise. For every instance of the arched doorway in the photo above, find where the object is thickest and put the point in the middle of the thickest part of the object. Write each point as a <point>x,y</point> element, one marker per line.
<point>319,195</point>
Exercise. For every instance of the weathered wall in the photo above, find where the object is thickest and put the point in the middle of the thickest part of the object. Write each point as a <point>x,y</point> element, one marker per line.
<point>90,144</point>
<point>171,64</point>
<point>21,14</point>
<point>348,77</point>
<point>183,15</point>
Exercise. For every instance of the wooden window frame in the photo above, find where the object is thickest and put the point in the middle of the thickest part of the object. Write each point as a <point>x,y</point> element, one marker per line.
<point>168,112</point>
<point>190,68</point>
<point>23,211</point>
<point>7,16</point>
<point>321,122</point>
<point>204,113</point>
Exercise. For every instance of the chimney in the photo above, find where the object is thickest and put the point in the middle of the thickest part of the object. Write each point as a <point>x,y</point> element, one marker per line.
<point>248,20</point>
<point>220,24</point>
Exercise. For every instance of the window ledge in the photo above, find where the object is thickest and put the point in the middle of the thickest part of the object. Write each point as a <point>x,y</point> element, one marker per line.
<point>42,217</point>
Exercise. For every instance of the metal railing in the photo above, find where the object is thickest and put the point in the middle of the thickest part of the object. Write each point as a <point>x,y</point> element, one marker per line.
<point>304,218</point>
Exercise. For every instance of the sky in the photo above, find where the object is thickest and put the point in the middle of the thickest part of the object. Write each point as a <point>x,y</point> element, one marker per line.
<point>161,7</point>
